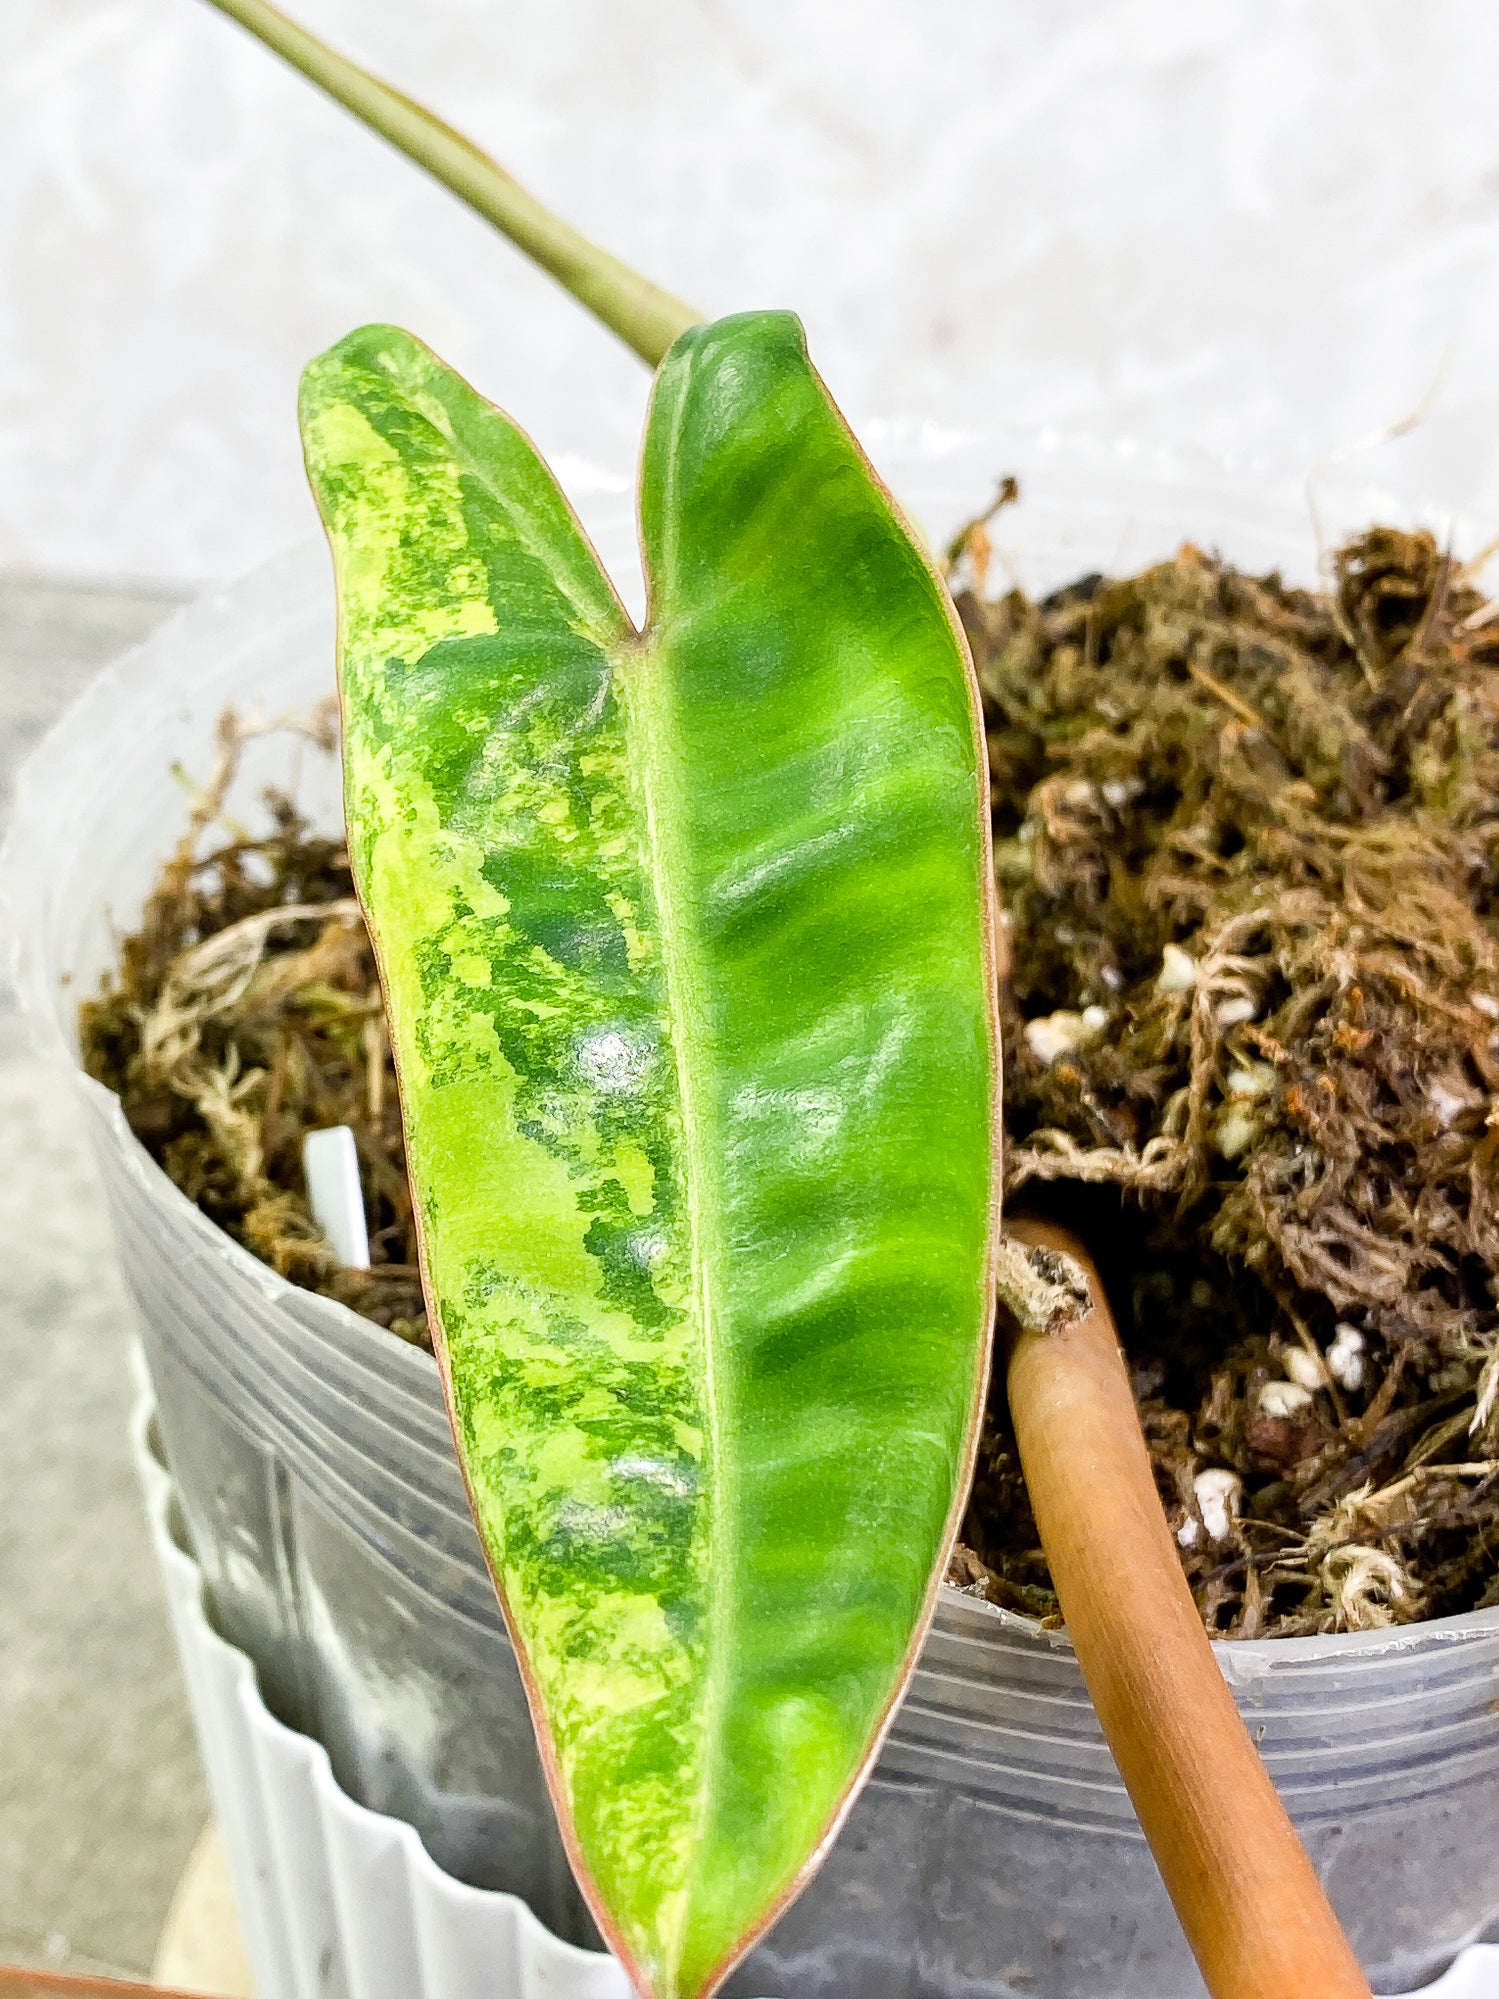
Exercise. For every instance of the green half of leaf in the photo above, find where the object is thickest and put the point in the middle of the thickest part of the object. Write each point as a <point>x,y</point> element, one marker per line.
<point>686,942</point>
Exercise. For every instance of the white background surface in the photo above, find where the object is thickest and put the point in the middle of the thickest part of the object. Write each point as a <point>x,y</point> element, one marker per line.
<point>1263,226</point>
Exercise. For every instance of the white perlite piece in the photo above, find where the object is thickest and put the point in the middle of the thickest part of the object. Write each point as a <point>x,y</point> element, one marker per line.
<point>1252,1079</point>
<point>1178,973</point>
<point>1234,1012</point>
<point>1304,1369</point>
<point>1345,1357</point>
<point>1234,1132</point>
<point>330,1160</point>
<point>1218,1496</point>
<point>1061,1033</point>
<point>1285,1398</point>
<point>1449,1104</point>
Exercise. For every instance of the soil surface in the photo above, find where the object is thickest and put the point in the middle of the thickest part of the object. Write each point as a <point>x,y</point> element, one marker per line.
<point>1247,846</point>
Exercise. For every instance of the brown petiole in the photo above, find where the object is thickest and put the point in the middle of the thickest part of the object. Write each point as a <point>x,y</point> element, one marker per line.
<point>1248,1898</point>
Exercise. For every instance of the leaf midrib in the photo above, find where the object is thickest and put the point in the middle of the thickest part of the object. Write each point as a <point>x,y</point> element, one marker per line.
<point>643,687</point>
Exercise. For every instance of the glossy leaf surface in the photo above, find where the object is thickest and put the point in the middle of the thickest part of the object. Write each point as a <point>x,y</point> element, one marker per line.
<point>686,948</point>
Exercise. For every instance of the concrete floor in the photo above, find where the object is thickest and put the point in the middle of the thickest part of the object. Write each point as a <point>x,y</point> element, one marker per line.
<point>101,1794</point>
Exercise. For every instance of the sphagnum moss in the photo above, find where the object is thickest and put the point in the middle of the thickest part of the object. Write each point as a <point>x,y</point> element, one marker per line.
<point>1247,840</point>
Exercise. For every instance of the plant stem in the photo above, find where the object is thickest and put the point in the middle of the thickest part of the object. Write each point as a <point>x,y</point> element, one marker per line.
<point>644,316</point>
<point>1254,1912</point>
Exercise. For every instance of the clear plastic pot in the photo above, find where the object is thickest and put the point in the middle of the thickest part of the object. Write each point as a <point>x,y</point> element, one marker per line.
<point>994,1852</point>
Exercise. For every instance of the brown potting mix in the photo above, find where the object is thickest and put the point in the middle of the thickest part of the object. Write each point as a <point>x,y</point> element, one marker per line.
<point>1247,845</point>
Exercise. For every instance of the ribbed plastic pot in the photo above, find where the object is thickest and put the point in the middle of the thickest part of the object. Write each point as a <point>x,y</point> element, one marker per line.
<point>339,1902</point>
<point>993,1853</point>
